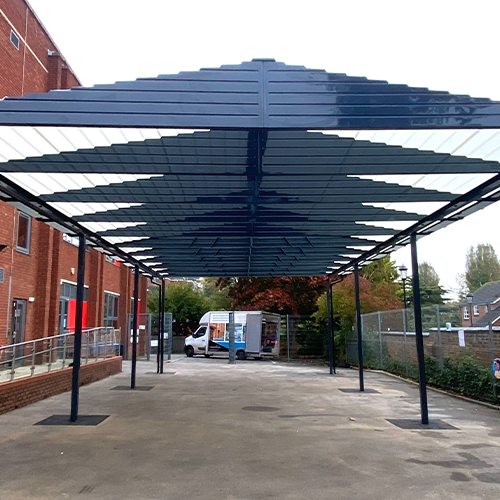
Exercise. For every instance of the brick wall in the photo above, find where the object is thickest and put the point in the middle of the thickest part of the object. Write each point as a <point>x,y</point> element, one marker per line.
<point>25,391</point>
<point>50,260</point>
<point>476,342</point>
<point>39,274</point>
<point>29,68</point>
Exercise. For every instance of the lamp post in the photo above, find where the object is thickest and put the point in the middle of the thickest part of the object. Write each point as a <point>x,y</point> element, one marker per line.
<point>403,274</point>
<point>470,298</point>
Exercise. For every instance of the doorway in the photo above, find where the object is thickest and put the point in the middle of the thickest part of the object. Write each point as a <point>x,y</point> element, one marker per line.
<point>18,324</point>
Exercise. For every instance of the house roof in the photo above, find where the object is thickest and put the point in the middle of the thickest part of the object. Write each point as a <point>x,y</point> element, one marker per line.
<point>492,316</point>
<point>487,294</point>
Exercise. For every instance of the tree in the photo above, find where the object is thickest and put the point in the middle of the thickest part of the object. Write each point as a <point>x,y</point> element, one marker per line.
<point>380,271</point>
<point>373,297</point>
<point>285,295</point>
<point>462,286</point>
<point>184,300</point>
<point>217,298</point>
<point>428,276</point>
<point>481,266</point>
<point>377,290</point>
<point>431,292</point>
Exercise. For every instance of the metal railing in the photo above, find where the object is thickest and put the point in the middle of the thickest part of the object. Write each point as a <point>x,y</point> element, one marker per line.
<point>36,356</point>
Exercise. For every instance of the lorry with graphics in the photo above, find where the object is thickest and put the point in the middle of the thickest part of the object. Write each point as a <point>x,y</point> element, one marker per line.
<point>256,334</point>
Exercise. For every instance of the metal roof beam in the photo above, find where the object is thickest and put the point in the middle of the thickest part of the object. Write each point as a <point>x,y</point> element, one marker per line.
<point>14,193</point>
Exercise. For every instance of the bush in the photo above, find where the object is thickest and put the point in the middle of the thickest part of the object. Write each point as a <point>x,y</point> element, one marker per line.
<point>466,376</point>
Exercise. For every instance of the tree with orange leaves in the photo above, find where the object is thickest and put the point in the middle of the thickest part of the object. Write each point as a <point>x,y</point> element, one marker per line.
<point>285,295</point>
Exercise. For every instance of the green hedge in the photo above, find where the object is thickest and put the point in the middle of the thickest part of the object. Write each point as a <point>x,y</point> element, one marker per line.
<point>466,376</point>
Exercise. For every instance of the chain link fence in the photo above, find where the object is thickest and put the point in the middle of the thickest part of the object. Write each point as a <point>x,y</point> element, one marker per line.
<point>460,345</point>
<point>302,337</point>
<point>147,335</point>
<point>172,344</point>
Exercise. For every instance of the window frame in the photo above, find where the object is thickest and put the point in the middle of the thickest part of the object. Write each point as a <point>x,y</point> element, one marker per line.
<point>475,310</point>
<point>13,34</point>
<point>466,313</point>
<point>25,250</point>
<point>114,299</point>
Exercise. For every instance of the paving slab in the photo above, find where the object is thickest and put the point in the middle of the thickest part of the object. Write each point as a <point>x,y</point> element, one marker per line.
<point>252,430</point>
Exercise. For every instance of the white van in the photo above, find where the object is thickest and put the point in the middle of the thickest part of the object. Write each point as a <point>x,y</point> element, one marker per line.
<point>256,333</point>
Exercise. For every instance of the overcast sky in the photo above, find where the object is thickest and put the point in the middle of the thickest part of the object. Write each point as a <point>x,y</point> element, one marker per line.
<point>440,44</point>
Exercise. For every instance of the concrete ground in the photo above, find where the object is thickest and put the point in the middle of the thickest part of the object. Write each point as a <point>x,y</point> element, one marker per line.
<point>254,430</point>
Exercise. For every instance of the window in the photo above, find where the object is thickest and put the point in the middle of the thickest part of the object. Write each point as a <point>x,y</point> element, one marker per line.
<point>112,260</point>
<point>200,332</point>
<point>476,310</point>
<point>466,313</point>
<point>14,39</point>
<point>74,240</point>
<point>23,233</point>
<point>111,302</point>
<point>68,291</point>
<point>71,239</point>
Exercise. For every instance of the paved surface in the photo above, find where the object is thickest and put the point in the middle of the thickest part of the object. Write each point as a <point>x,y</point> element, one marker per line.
<point>254,430</point>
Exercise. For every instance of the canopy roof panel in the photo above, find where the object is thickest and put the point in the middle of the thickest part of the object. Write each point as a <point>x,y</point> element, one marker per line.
<point>259,193</point>
<point>258,94</point>
<point>261,203</point>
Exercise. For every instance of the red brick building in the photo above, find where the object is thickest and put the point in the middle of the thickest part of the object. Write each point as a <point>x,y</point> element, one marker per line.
<point>476,314</point>
<point>38,264</point>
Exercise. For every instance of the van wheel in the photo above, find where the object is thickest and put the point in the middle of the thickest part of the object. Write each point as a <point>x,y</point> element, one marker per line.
<point>241,355</point>
<point>189,351</point>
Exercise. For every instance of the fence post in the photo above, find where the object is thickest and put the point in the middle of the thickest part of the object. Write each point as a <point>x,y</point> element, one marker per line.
<point>288,337</point>
<point>88,348</point>
<point>13,362</point>
<point>380,339</point>
<point>33,353</point>
<point>64,339</point>
<point>105,343</point>
<point>491,345</point>
<point>50,355</point>
<point>440,340</point>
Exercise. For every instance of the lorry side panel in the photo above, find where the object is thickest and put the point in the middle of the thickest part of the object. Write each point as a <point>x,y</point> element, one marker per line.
<point>254,333</point>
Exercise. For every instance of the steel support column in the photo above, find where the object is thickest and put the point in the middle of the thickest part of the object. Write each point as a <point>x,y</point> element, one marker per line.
<point>77,349</point>
<point>331,341</point>
<point>418,330</point>
<point>160,289</point>
<point>162,325</point>
<point>135,320</point>
<point>232,352</point>
<point>360,333</point>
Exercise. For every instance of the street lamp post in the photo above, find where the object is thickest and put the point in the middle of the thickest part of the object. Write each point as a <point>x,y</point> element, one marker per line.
<point>403,273</point>
<point>470,299</point>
